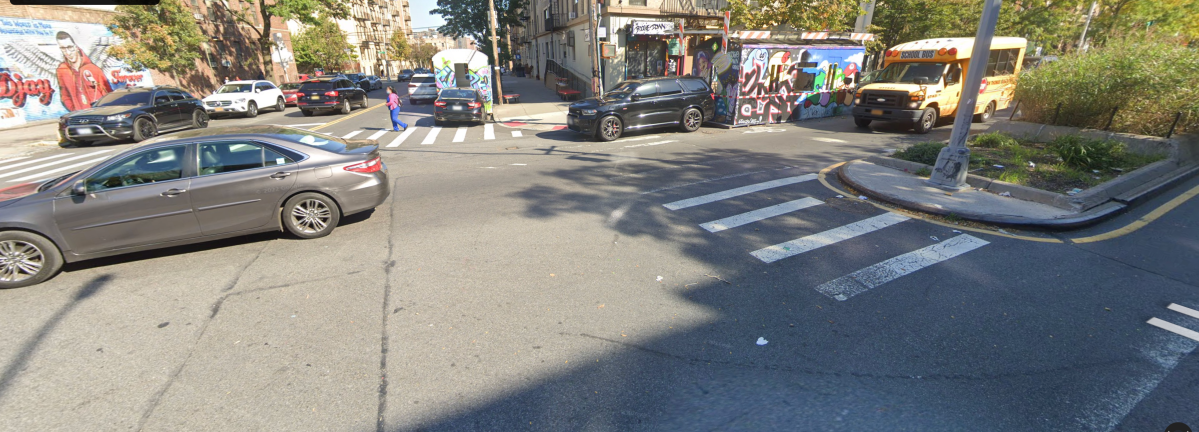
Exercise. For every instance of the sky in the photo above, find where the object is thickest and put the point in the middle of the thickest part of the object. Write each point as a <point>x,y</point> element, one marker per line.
<point>420,14</point>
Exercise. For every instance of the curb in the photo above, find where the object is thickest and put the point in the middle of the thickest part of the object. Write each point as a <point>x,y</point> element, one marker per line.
<point>1089,217</point>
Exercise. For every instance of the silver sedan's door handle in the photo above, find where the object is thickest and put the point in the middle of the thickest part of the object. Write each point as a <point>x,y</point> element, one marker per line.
<point>172,192</point>
<point>280,175</point>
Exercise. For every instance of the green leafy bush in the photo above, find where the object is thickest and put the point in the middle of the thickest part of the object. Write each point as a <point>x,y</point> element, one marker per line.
<point>1147,79</point>
<point>1086,153</point>
<point>925,153</point>
<point>995,140</point>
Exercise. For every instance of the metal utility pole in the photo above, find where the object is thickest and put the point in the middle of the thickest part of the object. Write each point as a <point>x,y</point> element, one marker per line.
<point>495,56</point>
<point>1082,41</point>
<point>592,10</point>
<point>863,21</point>
<point>953,162</point>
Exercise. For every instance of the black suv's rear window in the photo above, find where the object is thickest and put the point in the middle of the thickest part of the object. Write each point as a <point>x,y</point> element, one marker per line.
<point>694,85</point>
<point>322,86</point>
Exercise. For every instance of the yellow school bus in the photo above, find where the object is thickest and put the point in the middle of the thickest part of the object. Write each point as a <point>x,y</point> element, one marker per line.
<point>921,82</point>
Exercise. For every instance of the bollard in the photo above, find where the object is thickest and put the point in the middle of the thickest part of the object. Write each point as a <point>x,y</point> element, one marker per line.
<point>1014,110</point>
<point>1112,117</point>
<point>1056,112</point>
<point>1177,117</point>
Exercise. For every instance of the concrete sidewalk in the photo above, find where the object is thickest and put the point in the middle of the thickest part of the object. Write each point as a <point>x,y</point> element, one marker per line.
<point>540,108</point>
<point>30,138</point>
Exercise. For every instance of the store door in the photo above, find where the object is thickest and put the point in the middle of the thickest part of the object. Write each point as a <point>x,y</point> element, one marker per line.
<point>646,59</point>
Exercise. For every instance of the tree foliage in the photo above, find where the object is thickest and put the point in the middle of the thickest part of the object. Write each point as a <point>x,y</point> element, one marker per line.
<point>162,36</point>
<point>322,45</point>
<point>308,12</point>
<point>834,15</point>
<point>422,54</point>
<point>399,47</point>
<point>470,18</point>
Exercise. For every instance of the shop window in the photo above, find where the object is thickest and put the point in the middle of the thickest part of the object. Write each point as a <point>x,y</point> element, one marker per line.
<point>636,2</point>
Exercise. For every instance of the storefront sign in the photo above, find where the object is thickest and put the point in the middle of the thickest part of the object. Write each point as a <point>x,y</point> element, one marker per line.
<point>653,27</point>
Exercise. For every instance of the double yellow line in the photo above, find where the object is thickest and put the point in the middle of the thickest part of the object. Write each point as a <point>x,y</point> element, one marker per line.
<point>347,117</point>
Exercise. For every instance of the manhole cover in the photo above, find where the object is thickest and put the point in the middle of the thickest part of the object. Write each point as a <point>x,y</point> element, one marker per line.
<point>853,205</point>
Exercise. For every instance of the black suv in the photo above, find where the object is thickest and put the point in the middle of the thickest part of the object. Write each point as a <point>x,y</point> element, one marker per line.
<point>330,93</point>
<point>644,103</point>
<point>137,113</point>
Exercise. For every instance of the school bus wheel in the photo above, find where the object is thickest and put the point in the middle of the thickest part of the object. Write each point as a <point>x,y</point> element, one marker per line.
<point>927,120</point>
<point>986,114</point>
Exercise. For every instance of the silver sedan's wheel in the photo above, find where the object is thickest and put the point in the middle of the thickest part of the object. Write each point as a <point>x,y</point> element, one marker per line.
<point>310,215</point>
<point>26,259</point>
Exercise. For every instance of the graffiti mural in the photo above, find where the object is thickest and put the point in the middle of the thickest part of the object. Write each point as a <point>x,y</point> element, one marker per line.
<point>778,83</point>
<point>49,68</point>
<point>720,67</point>
<point>478,72</point>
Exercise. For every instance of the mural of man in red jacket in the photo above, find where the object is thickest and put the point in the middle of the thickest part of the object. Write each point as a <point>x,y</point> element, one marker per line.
<point>80,81</point>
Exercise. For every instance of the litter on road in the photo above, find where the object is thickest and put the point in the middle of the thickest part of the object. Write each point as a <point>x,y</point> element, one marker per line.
<point>862,197</point>
<point>762,341</point>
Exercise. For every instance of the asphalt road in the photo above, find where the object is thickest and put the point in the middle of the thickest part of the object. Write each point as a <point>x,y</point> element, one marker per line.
<point>547,282</point>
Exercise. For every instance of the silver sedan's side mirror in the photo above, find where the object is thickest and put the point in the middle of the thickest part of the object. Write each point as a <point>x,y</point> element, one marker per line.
<point>79,188</point>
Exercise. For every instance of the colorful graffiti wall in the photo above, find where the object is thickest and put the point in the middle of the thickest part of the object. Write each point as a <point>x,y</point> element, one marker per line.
<point>721,68</point>
<point>478,71</point>
<point>777,83</point>
<point>49,68</point>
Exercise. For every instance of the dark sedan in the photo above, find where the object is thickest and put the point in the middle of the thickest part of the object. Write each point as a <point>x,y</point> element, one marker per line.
<point>192,187</point>
<point>405,75</point>
<point>136,113</point>
<point>458,104</point>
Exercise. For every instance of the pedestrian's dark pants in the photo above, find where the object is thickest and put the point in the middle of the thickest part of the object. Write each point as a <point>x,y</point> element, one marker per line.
<point>395,119</point>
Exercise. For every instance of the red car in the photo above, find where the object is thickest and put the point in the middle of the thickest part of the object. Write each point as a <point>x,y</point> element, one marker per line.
<point>289,92</point>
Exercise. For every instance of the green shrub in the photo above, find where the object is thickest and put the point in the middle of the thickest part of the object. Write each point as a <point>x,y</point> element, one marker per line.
<point>995,140</point>
<point>1147,79</point>
<point>1086,153</point>
<point>925,153</point>
<point>924,172</point>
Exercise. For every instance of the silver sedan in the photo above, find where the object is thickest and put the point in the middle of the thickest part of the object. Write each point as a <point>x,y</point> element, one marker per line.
<point>184,188</point>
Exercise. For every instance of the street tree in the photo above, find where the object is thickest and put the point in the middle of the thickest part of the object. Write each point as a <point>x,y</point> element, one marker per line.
<point>399,47</point>
<point>421,55</point>
<point>162,36</point>
<point>836,15</point>
<point>470,18</point>
<point>258,14</point>
<point>322,45</point>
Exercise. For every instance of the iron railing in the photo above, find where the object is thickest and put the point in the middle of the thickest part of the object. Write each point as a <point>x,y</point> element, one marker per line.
<point>694,7</point>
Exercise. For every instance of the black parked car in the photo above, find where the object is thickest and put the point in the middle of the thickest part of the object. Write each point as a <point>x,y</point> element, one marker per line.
<point>137,113</point>
<point>405,75</point>
<point>330,93</point>
<point>644,103</point>
<point>458,104</point>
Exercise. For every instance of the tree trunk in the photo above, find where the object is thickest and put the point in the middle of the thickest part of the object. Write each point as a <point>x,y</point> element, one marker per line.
<point>265,45</point>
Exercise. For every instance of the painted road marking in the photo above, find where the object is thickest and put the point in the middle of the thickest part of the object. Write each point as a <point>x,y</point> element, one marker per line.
<point>300,124</point>
<point>460,135</point>
<point>35,161</point>
<point>1183,310</point>
<point>43,175</point>
<point>351,134</point>
<point>488,131</point>
<point>400,139</point>
<point>431,136</point>
<point>1175,328</point>
<point>815,241</point>
<point>637,139</point>
<point>517,134</point>
<point>15,159</point>
<point>35,168</point>
<point>872,277</point>
<point>651,144</point>
<point>377,134</point>
<point>759,214</point>
<point>692,202</point>
<point>828,140</point>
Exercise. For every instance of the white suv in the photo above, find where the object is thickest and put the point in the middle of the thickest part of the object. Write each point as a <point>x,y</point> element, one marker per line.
<point>421,80</point>
<point>245,97</point>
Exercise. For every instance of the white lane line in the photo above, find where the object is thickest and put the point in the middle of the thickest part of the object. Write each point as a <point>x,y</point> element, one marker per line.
<point>431,136</point>
<point>871,277</point>
<point>637,139</point>
<point>14,159</point>
<point>759,214</point>
<point>520,164</point>
<point>815,241</point>
<point>692,202</point>
<point>517,134</point>
<point>651,144</point>
<point>351,134</point>
<point>1175,328</point>
<point>44,174</point>
<point>301,124</point>
<point>400,139</point>
<point>35,161</point>
<point>829,140</point>
<point>460,136</point>
<point>488,131</point>
<point>1183,310</point>
<point>35,168</point>
<point>377,134</point>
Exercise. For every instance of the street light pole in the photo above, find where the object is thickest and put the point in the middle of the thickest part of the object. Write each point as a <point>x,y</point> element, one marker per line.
<point>495,56</point>
<point>953,162</point>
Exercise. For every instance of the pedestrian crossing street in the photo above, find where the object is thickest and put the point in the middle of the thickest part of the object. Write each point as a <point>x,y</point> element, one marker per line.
<point>426,135</point>
<point>844,287</point>
<point>1175,328</point>
<point>32,168</point>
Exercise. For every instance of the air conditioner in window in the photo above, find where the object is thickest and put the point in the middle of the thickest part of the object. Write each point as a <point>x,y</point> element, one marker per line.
<point>574,15</point>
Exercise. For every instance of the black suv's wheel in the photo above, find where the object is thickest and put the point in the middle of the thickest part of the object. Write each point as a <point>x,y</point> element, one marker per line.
<point>986,114</point>
<point>862,122</point>
<point>366,101</point>
<point>310,215</point>
<point>345,106</point>
<point>280,105</point>
<point>26,259</point>
<point>143,129</point>
<point>252,109</point>
<point>928,119</point>
<point>609,128</point>
<point>306,113</point>
<point>199,119</point>
<point>692,118</point>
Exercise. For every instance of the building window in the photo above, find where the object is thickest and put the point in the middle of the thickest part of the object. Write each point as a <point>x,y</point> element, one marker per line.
<point>636,2</point>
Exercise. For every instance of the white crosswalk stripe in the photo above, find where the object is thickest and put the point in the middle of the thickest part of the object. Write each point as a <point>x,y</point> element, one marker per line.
<point>517,134</point>
<point>376,135</point>
<point>33,161</point>
<point>45,175</point>
<point>432,136</point>
<point>1175,328</point>
<point>403,136</point>
<point>460,136</point>
<point>47,165</point>
<point>757,215</point>
<point>488,131</point>
<point>815,241</point>
<point>352,134</point>
<point>709,198</point>
<point>871,277</point>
